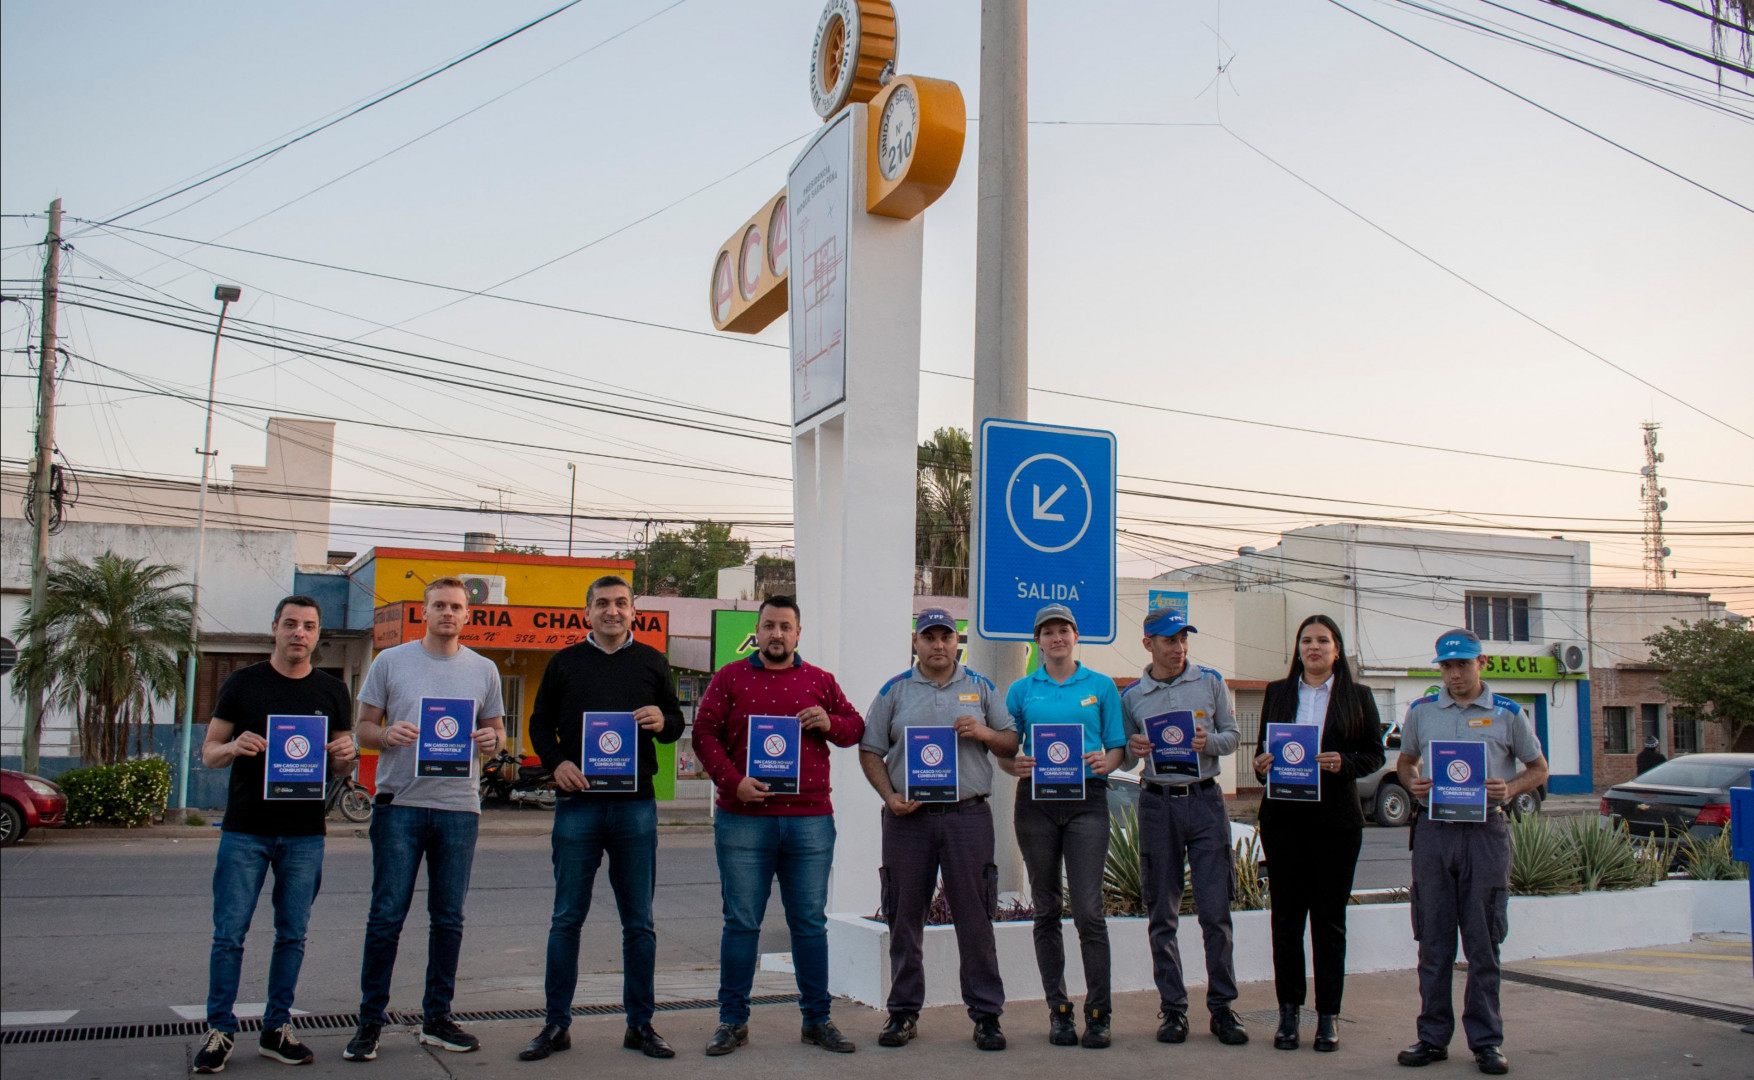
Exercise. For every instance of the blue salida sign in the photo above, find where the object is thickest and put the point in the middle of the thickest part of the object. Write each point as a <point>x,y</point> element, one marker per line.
<point>1046,528</point>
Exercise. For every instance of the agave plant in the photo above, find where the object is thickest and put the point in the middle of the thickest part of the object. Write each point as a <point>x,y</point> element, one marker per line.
<point>1542,863</point>
<point>1251,887</point>
<point>1606,857</point>
<point>1710,860</point>
<point>1122,883</point>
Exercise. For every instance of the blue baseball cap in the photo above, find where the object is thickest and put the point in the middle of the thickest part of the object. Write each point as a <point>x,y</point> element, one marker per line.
<point>1458,645</point>
<point>934,616</point>
<point>1167,623</point>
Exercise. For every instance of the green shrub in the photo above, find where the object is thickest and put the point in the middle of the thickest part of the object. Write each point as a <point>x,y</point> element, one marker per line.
<point>1607,858</point>
<point>1709,860</point>
<point>129,793</point>
<point>1122,888</point>
<point>1251,887</point>
<point>1542,863</point>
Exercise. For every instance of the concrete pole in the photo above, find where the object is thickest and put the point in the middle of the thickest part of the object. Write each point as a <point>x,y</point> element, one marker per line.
<point>44,476</point>
<point>1001,319</point>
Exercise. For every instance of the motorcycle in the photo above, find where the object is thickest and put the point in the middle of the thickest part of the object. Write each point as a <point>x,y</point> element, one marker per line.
<point>506,779</point>
<point>349,796</point>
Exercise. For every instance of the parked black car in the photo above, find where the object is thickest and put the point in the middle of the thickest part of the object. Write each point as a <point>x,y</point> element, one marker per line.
<point>1688,796</point>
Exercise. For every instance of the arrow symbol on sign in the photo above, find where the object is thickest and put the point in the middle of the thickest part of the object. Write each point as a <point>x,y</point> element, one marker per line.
<point>1042,508</point>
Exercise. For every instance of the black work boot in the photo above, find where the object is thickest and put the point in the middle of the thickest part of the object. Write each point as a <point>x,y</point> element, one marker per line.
<point>1327,1037</point>
<point>1062,1030</point>
<point>1174,1028</point>
<point>900,1029</point>
<point>1096,1036</point>
<point>1286,1037</point>
<point>1228,1027</point>
<point>987,1035</point>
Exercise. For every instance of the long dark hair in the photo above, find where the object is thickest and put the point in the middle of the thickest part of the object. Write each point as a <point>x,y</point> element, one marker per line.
<point>1345,691</point>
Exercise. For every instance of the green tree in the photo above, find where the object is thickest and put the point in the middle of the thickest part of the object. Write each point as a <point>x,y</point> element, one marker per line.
<point>519,549</point>
<point>943,511</point>
<point>688,561</point>
<point>112,629</point>
<point>1710,671</point>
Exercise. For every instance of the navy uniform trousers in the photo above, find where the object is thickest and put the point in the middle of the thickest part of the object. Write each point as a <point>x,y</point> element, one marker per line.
<point>955,840</point>
<point>1461,882</point>
<point>1193,828</point>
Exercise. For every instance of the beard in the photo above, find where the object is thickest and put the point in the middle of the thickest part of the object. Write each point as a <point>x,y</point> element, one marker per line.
<point>775,650</point>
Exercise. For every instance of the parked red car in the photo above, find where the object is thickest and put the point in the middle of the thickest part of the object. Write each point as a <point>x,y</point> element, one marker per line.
<point>28,802</point>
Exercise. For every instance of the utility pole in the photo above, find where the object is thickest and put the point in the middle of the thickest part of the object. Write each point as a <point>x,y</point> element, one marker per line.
<point>1001,318</point>
<point>39,551</point>
<point>1652,494</point>
<point>571,503</point>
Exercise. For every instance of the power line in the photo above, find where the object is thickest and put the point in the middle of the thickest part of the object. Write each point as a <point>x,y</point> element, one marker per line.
<point>1667,43</point>
<point>380,99</point>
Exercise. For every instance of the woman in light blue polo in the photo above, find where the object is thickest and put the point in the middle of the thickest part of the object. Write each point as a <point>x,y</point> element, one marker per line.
<point>1072,832</point>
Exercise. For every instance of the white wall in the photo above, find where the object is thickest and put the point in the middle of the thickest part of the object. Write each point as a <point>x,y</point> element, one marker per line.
<point>1241,633</point>
<point>1620,620</point>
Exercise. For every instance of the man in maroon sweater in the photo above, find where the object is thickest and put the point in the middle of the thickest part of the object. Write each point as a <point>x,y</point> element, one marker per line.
<point>758,835</point>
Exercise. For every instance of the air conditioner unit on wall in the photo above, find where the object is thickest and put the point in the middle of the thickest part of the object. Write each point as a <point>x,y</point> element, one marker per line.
<point>1573,656</point>
<point>485,588</point>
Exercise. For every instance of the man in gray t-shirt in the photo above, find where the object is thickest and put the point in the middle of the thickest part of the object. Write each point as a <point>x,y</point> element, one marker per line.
<point>416,817</point>
<point>953,837</point>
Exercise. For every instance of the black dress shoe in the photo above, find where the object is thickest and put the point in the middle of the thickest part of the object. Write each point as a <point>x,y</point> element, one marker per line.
<point>1327,1038</point>
<point>1422,1053</point>
<point>549,1040</point>
<point>646,1041</point>
<point>1096,1033</point>
<point>827,1036</point>
<point>902,1027</point>
<point>987,1035</point>
<point>1062,1029</point>
<point>727,1038</point>
<point>1285,1038</point>
<point>1174,1028</point>
<point>1491,1060</point>
<point>1228,1027</point>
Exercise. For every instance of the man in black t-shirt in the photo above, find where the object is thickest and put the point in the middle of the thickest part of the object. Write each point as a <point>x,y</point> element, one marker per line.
<point>612,673</point>
<point>271,821</point>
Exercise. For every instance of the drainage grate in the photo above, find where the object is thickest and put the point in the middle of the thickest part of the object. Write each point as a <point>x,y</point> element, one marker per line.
<point>334,1022</point>
<point>1270,1018</point>
<point>1629,997</point>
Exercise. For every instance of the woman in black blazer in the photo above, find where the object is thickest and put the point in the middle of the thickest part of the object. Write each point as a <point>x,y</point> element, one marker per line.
<point>1312,847</point>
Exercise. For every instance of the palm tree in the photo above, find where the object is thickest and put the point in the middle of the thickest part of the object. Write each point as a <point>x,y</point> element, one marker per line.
<point>111,629</point>
<point>942,512</point>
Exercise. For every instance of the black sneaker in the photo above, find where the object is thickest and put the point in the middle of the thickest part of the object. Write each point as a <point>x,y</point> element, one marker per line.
<point>364,1044</point>
<point>1062,1029</point>
<point>283,1046</point>
<point>1174,1028</point>
<point>1228,1027</point>
<point>1096,1034</point>
<point>987,1035</point>
<point>214,1053</point>
<point>901,1029</point>
<point>444,1033</point>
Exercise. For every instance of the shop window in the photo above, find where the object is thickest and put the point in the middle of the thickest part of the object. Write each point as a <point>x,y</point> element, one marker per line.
<point>1617,729</point>
<point>1686,735</point>
<point>511,692</point>
<point>1499,618</point>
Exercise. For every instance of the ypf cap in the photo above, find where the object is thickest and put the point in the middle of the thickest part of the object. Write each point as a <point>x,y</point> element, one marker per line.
<point>934,616</point>
<point>1458,645</point>
<point>1167,623</point>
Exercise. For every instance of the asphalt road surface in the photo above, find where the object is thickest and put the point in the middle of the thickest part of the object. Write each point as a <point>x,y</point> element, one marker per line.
<point>120,929</point>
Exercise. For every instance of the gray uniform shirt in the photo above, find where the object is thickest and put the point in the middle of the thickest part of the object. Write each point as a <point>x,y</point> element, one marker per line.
<point>1497,721</point>
<point>912,700</point>
<point>398,679</point>
<point>1199,690</point>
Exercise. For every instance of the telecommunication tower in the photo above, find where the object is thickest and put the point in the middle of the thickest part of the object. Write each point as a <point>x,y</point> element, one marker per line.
<point>1651,493</point>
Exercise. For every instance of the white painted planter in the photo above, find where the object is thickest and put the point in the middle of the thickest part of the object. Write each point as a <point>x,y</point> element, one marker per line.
<point>1379,938</point>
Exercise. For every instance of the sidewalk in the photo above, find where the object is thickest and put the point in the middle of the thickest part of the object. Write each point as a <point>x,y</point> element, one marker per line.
<point>1551,1034</point>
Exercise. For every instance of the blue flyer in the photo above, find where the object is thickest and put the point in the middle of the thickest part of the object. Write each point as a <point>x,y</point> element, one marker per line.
<point>1458,781</point>
<point>446,745</point>
<point>931,764</point>
<point>611,752</point>
<point>1294,775</point>
<point>773,752</point>
<point>1058,750</point>
<point>297,761</point>
<point>1172,744</point>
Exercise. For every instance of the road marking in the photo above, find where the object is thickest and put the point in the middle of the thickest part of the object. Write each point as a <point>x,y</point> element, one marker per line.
<point>1618,967</point>
<point>1685,955</point>
<point>243,1010</point>
<point>33,1019</point>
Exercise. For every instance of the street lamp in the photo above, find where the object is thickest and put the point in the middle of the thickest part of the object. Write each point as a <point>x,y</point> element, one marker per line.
<point>225,294</point>
<point>571,501</point>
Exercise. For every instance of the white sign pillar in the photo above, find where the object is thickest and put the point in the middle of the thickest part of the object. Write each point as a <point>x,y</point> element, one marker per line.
<point>854,282</point>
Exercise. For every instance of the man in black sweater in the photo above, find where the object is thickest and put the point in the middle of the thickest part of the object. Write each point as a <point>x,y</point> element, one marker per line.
<point>608,672</point>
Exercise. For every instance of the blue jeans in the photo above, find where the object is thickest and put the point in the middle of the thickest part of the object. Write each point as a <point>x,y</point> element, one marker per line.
<point>752,849</point>
<point>238,874</point>
<point>584,830</point>
<point>401,836</point>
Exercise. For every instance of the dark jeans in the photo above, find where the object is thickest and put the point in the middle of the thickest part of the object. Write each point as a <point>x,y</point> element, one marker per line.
<point>238,873</point>
<point>1461,882</point>
<point>583,832</point>
<point>1311,881</point>
<point>753,849</point>
<point>401,836</point>
<point>957,841</point>
<point>1074,833</point>
<point>1194,830</point>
